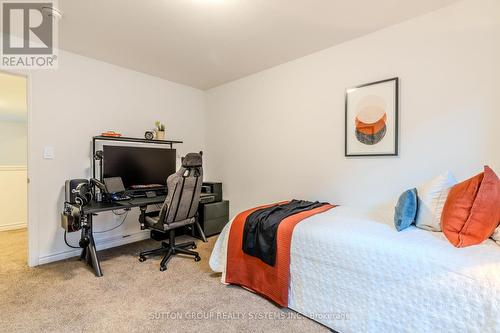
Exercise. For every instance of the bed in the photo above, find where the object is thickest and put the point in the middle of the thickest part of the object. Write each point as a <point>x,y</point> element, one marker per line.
<point>352,272</point>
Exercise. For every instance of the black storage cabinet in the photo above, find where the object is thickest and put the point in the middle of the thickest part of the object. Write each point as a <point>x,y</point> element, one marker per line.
<point>213,217</point>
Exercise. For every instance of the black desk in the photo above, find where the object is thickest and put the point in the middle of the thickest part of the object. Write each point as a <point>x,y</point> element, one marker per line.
<point>89,252</point>
<point>98,207</point>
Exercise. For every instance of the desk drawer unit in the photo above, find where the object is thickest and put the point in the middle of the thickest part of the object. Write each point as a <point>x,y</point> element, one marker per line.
<point>213,217</point>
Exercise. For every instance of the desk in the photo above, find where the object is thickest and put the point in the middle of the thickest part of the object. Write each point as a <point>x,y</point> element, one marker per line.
<point>89,253</point>
<point>99,207</point>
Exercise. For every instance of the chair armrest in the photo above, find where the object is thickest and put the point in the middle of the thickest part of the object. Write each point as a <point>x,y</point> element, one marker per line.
<point>142,217</point>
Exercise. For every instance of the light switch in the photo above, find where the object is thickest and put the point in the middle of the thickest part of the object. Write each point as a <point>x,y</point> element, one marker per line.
<point>48,153</point>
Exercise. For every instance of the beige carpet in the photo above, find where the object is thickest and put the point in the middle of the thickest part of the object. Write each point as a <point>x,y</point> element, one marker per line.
<point>131,297</point>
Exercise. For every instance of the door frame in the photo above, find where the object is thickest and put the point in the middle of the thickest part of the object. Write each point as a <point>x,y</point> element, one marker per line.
<point>32,199</point>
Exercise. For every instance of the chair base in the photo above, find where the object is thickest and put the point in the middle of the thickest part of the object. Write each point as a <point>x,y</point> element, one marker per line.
<point>170,249</point>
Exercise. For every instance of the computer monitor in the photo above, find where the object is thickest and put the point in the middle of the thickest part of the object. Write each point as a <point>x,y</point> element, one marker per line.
<point>141,168</point>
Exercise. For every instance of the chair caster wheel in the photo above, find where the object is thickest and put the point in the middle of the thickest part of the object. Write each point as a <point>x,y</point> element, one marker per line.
<point>142,259</point>
<point>163,268</point>
<point>197,258</point>
<point>194,247</point>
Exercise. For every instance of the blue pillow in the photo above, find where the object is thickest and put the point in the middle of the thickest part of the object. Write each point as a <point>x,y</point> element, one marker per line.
<point>406,210</point>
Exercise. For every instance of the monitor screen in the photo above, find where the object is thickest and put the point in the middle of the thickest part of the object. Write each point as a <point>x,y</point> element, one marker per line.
<point>139,167</point>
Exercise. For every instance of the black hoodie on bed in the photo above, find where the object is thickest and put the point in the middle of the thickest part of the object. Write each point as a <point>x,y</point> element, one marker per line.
<point>261,227</point>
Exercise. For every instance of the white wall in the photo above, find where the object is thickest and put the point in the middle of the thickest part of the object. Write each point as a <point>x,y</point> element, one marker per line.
<point>83,98</point>
<point>13,197</point>
<point>279,134</point>
<point>13,129</point>
<point>13,142</point>
<point>13,152</point>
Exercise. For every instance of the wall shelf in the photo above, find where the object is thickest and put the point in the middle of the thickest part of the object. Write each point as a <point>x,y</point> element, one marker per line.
<point>139,140</point>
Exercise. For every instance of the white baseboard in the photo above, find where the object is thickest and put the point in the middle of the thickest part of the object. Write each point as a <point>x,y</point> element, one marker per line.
<point>13,226</point>
<point>102,245</point>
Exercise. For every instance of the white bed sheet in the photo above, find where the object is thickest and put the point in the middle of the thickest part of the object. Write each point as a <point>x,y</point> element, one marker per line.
<point>353,272</point>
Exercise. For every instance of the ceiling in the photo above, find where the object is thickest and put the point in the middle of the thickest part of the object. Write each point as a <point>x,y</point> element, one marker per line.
<point>12,98</point>
<point>205,43</point>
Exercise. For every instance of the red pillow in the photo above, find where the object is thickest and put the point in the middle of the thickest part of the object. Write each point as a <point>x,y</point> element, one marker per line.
<point>472,210</point>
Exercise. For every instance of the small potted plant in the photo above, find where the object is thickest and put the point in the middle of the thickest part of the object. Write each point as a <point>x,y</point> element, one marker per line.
<point>160,130</point>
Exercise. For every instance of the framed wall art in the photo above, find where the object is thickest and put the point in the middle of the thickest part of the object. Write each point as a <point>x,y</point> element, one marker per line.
<point>371,119</point>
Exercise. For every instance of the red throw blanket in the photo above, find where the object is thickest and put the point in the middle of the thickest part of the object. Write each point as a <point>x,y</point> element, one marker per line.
<point>250,272</point>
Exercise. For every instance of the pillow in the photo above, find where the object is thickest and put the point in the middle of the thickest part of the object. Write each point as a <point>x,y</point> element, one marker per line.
<point>496,235</point>
<point>406,209</point>
<point>472,210</point>
<point>431,198</point>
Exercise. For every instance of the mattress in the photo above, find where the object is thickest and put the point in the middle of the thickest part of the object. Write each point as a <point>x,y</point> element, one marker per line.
<point>353,272</point>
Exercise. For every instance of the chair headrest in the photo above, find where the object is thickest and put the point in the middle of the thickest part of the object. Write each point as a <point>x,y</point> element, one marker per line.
<point>192,160</point>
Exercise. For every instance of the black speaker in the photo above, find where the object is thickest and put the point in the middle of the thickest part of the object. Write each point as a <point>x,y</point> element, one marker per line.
<point>77,191</point>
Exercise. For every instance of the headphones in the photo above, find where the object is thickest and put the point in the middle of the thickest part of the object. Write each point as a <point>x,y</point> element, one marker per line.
<point>83,194</point>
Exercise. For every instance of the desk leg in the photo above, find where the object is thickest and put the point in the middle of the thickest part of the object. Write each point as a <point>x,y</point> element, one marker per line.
<point>83,255</point>
<point>200,231</point>
<point>93,257</point>
<point>90,251</point>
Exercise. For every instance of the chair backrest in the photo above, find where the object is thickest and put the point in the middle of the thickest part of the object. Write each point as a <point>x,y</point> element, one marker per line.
<point>184,189</point>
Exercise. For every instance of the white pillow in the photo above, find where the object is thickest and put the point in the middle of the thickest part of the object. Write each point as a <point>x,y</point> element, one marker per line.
<point>431,198</point>
<point>496,235</point>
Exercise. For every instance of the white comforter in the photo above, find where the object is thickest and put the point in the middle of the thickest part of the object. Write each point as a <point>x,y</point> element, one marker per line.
<point>351,271</point>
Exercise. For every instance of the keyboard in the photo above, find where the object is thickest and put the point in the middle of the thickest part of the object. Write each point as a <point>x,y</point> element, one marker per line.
<point>120,197</point>
<point>138,195</point>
